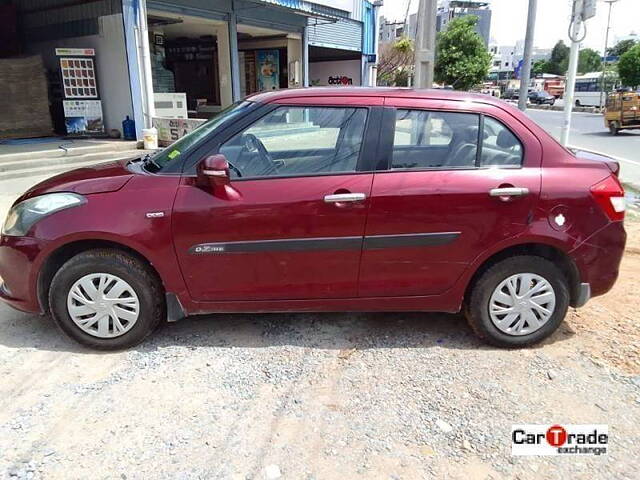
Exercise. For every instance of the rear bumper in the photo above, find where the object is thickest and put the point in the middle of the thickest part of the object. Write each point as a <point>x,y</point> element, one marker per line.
<point>582,295</point>
<point>598,258</point>
<point>18,272</point>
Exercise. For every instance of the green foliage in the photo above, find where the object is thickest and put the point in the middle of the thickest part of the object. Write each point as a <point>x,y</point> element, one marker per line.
<point>622,47</point>
<point>395,62</point>
<point>629,67</point>
<point>462,59</point>
<point>589,61</point>
<point>559,60</point>
<point>541,66</point>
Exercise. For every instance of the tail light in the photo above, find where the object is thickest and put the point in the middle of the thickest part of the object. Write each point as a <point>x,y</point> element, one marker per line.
<point>610,196</point>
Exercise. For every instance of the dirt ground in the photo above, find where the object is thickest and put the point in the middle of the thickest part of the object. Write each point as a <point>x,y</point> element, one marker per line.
<point>320,396</point>
<point>609,326</point>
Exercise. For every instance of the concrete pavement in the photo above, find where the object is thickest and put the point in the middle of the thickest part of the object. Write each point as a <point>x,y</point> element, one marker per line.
<point>588,132</point>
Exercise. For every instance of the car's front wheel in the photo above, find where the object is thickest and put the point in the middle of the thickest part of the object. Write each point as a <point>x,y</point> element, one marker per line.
<point>106,299</point>
<point>518,301</point>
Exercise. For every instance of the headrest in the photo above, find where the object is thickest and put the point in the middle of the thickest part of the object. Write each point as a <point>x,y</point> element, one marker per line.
<point>506,139</point>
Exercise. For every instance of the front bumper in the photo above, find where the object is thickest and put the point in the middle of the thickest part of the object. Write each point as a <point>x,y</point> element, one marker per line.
<point>19,258</point>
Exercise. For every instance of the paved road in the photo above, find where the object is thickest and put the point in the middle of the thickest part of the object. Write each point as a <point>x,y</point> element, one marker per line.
<point>588,132</point>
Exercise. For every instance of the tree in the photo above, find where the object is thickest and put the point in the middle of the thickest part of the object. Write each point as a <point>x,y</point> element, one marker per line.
<point>541,66</point>
<point>462,59</point>
<point>559,60</point>
<point>629,67</point>
<point>395,61</point>
<point>622,47</point>
<point>589,61</point>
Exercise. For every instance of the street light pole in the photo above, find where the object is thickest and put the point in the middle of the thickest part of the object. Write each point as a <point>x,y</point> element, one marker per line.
<point>525,74</point>
<point>425,44</point>
<point>606,46</point>
<point>574,32</point>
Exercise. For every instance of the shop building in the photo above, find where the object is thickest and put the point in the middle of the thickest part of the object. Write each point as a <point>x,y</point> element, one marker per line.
<point>184,60</point>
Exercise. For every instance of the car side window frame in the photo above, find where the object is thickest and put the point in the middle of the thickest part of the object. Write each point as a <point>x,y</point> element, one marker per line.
<point>384,160</point>
<point>364,163</point>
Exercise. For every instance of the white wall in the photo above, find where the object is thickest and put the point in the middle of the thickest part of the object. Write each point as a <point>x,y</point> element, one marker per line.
<point>294,54</point>
<point>111,64</point>
<point>319,72</point>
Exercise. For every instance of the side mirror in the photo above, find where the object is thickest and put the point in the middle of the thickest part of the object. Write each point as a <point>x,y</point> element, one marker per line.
<point>214,171</point>
<point>213,175</point>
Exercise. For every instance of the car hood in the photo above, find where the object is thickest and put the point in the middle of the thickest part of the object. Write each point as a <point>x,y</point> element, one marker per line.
<point>102,178</point>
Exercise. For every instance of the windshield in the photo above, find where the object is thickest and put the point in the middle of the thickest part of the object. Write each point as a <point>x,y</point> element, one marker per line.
<point>180,147</point>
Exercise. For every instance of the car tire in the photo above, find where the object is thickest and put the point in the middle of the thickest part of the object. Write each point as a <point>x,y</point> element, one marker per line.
<point>481,298</point>
<point>613,128</point>
<point>578,104</point>
<point>131,289</point>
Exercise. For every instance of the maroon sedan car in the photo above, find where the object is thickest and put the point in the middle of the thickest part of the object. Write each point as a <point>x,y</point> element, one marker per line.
<point>336,199</point>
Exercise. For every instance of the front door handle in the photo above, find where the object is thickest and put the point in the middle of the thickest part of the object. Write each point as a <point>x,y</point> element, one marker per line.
<point>509,192</point>
<point>344,197</point>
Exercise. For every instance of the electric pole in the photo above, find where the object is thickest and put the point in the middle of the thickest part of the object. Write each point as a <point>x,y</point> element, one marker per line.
<point>525,73</point>
<point>606,46</point>
<point>582,10</point>
<point>425,44</point>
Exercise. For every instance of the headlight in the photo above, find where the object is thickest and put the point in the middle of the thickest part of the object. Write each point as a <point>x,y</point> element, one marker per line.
<point>25,214</point>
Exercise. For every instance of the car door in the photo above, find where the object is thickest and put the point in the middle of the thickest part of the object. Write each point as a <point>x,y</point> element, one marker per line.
<point>457,181</point>
<point>293,228</point>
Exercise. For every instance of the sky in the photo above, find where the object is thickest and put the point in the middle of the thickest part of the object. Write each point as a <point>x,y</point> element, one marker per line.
<point>509,20</point>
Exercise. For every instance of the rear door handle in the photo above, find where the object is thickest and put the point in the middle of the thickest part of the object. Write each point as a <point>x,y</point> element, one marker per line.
<point>344,197</point>
<point>509,192</point>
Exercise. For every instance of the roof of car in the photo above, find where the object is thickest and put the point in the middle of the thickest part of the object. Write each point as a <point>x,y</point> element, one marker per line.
<point>436,94</point>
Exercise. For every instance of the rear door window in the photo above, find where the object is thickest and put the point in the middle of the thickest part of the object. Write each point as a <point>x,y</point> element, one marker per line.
<point>500,147</point>
<point>432,139</point>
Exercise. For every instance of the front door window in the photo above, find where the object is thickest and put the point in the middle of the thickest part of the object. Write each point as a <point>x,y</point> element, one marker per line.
<point>298,141</point>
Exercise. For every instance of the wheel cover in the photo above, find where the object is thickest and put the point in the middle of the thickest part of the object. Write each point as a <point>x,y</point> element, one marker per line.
<point>103,305</point>
<point>522,304</point>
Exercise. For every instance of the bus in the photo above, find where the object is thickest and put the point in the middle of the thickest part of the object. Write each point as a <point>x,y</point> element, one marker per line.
<point>588,90</point>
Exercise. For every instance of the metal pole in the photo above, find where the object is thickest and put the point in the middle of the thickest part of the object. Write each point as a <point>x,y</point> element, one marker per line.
<point>576,22</point>
<point>525,74</point>
<point>425,44</point>
<point>145,63</point>
<point>233,51</point>
<point>305,56</point>
<point>606,45</point>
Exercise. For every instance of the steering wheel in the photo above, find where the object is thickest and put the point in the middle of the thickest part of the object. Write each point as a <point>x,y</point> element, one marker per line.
<point>265,165</point>
<point>234,168</point>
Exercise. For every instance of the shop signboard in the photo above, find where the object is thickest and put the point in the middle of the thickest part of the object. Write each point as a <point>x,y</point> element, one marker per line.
<point>83,116</point>
<point>268,70</point>
<point>81,102</point>
<point>172,129</point>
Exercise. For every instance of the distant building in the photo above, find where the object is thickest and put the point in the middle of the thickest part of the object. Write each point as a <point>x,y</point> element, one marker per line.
<point>507,58</point>
<point>450,9</point>
<point>447,11</point>
<point>390,31</point>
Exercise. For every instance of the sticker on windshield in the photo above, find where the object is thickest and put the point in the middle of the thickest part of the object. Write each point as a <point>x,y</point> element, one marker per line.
<point>174,154</point>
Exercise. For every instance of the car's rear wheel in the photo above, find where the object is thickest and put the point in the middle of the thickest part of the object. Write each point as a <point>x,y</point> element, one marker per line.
<point>106,299</point>
<point>518,301</point>
<point>614,128</point>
